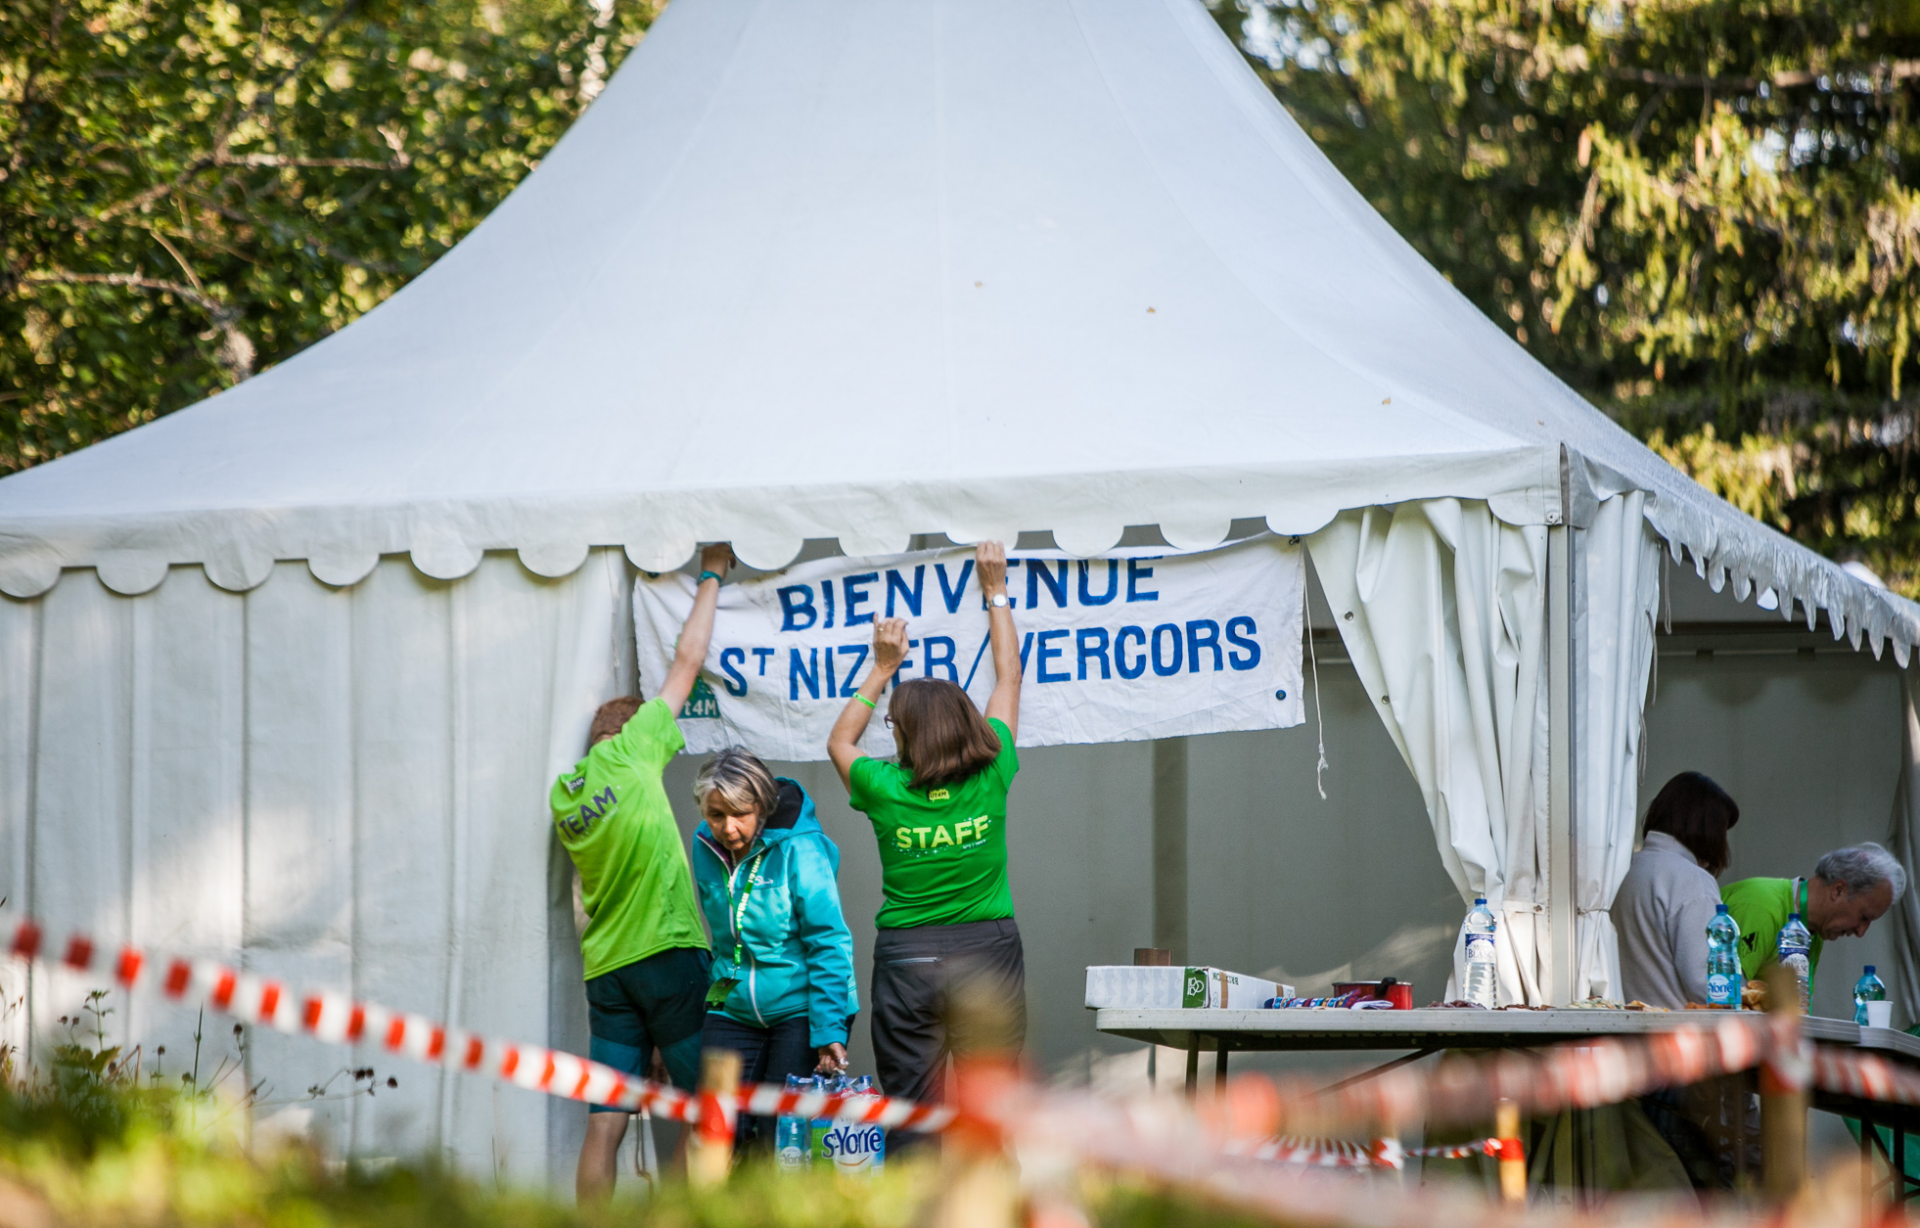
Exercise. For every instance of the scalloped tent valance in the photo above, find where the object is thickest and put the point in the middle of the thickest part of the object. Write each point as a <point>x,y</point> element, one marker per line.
<point>840,269</point>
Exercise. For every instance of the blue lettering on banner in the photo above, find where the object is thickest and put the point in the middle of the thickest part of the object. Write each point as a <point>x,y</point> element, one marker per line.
<point>1038,573</point>
<point>1203,633</point>
<point>1047,654</point>
<point>833,688</point>
<point>909,597</point>
<point>826,592</point>
<point>796,600</point>
<point>1139,666</point>
<point>855,588</point>
<point>798,673</point>
<point>1169,668</point>
<point>1135,574</point>
<point>853,671</point>
<point>729,657</point>
<point>763,654</point>
<point>941,660</point>
<point>1026,646</point>
<point>953,595</point>
<point>1091,645</point>
<point>1251,657</point>
<point>1113,583</point>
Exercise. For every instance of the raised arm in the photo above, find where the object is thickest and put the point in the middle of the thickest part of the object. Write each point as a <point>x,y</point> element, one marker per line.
<point>697,633</point>
<point>889,649</point>
<point>990,563</point>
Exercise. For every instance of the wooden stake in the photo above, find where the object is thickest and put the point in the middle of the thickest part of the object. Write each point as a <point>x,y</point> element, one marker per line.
<point>1783,1092</point>
<point>1513,1159</point>
<point>710,1153</point>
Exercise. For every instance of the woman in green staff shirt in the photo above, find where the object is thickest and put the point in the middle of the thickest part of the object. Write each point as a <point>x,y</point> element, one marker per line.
<point>940,814</point>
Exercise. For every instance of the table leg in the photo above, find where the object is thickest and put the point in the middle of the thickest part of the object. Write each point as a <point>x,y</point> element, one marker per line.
<point>1193,1067</point>
<point>1220,1068</point>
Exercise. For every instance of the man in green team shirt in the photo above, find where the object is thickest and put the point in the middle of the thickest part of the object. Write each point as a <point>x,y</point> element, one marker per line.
<point>644,950</point>
<point>1851,888</point>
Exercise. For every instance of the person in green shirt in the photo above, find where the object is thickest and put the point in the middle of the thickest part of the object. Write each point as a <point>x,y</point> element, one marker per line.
<point>940,816</point>
<point>1850,889</point>
<point>644,951</point>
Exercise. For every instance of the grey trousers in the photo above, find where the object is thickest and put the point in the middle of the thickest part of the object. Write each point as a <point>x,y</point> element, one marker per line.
<point>917,974</point>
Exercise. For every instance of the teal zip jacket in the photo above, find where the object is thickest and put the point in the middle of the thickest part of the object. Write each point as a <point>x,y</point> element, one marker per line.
<point>795,951</point>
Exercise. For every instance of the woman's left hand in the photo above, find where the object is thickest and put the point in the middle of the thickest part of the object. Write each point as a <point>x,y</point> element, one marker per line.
<point>833,1059</point>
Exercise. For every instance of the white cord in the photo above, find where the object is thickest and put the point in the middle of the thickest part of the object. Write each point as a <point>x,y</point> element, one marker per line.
<point>1306,601</point>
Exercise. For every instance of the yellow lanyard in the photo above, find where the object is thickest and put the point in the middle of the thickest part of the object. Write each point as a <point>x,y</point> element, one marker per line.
<point>739,907</point>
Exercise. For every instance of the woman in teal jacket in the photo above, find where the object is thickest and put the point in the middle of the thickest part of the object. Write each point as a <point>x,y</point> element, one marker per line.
<point>783,993</point>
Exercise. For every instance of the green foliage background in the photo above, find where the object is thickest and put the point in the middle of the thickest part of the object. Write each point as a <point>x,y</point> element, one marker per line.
<point>191,190</point>
<point>1703,214</point>
<point>1700,213</point>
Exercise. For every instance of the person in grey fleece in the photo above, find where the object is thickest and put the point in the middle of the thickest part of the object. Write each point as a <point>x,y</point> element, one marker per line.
<point>1669,894</point>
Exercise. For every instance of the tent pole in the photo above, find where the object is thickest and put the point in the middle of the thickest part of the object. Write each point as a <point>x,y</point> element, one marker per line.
<point>1170,847</point>
<point>1563,936</point>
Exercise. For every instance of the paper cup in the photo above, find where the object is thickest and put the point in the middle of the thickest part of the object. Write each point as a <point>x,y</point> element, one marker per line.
<point>1879,1014</point>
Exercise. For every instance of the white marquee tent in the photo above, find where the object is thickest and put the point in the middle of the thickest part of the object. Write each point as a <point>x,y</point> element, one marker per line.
<point>285,673</point>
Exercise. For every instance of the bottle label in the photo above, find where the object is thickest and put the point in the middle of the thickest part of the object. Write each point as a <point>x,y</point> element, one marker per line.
<point>1480,948</point>
<point>849,1146</point>
<point>1723,990</point>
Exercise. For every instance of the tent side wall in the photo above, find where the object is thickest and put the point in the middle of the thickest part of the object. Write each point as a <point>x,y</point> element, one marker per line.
<point>342,788</point>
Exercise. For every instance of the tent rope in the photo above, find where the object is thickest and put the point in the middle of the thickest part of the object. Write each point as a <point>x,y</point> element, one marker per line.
<point>1306,604</point>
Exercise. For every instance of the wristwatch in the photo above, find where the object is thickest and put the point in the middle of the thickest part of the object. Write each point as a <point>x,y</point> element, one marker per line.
<point>998,601</point>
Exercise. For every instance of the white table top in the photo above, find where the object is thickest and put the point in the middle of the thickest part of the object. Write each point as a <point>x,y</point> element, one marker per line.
<point>1250,1030</point>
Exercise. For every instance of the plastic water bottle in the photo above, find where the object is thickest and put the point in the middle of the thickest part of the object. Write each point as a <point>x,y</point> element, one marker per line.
<point>818,1128</point>
<point>793,1136</point>
<point>1724,981</point>
<point>1483,975</point>
<point>854,1149</point>
<point>1796,952</point>
<point>1867,989</point>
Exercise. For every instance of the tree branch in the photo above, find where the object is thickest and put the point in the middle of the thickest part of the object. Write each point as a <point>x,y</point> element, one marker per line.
<point>236,352</point>
<point>1897,70</point>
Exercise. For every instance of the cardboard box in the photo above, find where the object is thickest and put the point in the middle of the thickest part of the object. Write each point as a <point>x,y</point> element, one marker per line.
<point>1149,988</point>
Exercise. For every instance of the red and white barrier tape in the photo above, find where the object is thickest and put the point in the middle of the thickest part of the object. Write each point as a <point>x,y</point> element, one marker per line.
<point>1380,1153</point>
<point>1585,1074</point>
<point>335,1018</point>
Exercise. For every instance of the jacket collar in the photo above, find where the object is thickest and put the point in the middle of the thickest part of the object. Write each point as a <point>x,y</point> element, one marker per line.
<point>1659,841</point>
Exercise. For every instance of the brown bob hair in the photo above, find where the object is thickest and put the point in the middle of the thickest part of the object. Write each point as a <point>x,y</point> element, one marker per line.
<point>942,737</point>
<point>1698,813</point>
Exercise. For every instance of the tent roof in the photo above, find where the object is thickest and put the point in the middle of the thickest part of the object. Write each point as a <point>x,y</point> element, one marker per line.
<point>862,269</point>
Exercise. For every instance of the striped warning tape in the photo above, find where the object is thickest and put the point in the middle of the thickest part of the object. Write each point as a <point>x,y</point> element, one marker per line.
<point>336,1018</point>
<point>1380,1153</point>
<point>1577,1075</point>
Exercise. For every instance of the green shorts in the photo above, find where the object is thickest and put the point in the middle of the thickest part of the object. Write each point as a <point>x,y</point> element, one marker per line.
<point>657,1002</point>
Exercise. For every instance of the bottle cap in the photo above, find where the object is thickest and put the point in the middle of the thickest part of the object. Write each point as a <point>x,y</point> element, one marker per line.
<point>1719,908</point>
<point>1479,900</point>
<point>1869,971</point>
<point>1793,916</point>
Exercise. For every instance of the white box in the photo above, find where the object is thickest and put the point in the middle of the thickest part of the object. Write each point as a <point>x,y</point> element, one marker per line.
<point>1168,988</point>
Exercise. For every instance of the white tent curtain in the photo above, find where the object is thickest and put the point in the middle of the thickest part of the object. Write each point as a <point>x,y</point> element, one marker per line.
<point>340,787</point>
<point>1442,608</point>
<point>1617,590</point>
<point>1903,840</point>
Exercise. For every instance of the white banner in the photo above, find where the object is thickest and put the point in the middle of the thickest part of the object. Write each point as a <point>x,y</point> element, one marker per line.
<point>1137,644</point>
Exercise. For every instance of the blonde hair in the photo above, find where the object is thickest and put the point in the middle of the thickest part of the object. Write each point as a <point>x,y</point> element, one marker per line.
<point>738,781</point>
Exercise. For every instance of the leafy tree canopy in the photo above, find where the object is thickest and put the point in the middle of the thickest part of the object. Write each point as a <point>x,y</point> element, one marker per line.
<point>1701,213</point>
<point>191,190</point>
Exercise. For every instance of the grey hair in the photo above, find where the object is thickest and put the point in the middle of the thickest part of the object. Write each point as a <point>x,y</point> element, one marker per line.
<point>1862,867</point>
<point>740,780</point>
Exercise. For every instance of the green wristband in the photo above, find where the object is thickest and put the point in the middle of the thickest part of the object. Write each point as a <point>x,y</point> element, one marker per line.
<point>706,576</point>
<point>863,699</point>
